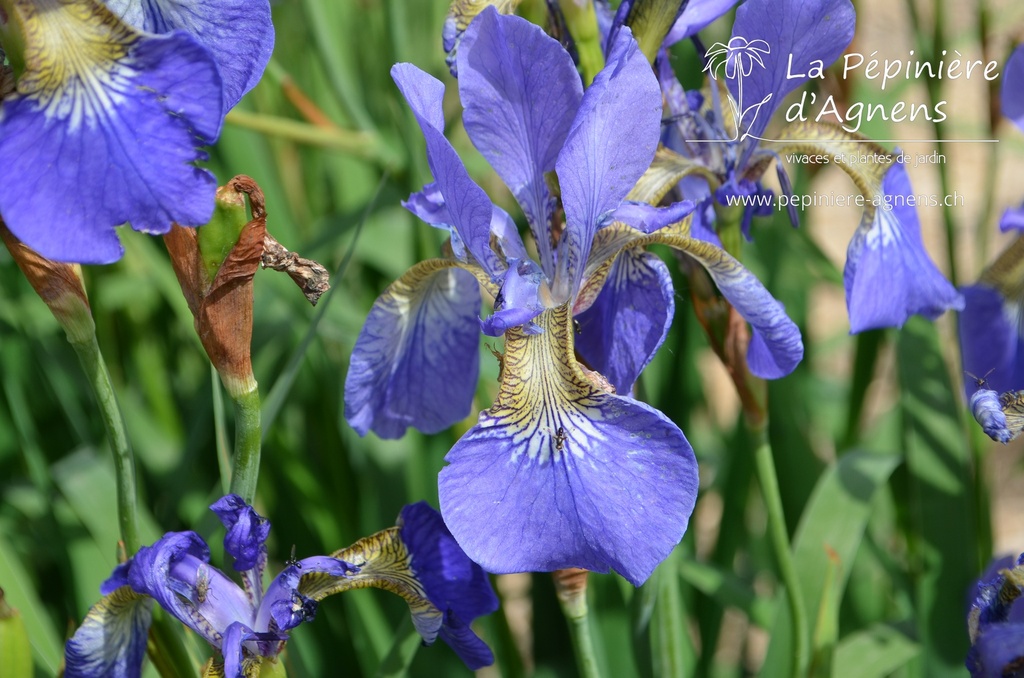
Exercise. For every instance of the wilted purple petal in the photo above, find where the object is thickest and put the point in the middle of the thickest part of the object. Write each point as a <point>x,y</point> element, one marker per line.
<point>415,362</point>
<point>988,412</point>
<point>888,275</point>
<point>247,533</point>
<point>619,335</point>
<point>520,92</point>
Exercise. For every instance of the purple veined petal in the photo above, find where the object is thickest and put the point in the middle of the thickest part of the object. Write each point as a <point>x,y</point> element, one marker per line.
<point>468,206</point>
<point>998,650</point>
<point>520,91</point>
<point>112,639</point>
<point>561,474</point>
<point>775,345</point>
<point>648,218</point>
<point>603,158</point>
<point>696,16</point>
<point>1012,219</point>
<point>798,30</point>
<point>450,579</point>
<point>620,333</point>
<point>888,275</point>
<point>473,652</point>
<point>245,541</point>
<point>238,33</point>
<point>518,302</point>
<point>415,362</point>
<point>990,344</point>
<point>115,142</point>
<point>988,412</point>
<point>235,636</point>
<point>1013,87</point>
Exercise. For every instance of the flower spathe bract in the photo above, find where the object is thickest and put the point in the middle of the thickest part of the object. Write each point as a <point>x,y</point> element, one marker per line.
<point>243,623</point>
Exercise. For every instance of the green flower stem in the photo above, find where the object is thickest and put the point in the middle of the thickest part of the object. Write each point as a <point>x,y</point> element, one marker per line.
<point>167,650</point>
<point>95,368</point>
<point>577,615</point>
<point>581,20</point>
<point>780,544</point>
<point>246,464</point>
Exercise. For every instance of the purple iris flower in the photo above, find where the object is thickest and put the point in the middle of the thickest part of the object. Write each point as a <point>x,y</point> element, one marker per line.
<point>561,471</point>
<point>995,621</point>
<point>245,623</point>
<point>109,118</point>
<point>1013,108</point>
<point>888,275</point>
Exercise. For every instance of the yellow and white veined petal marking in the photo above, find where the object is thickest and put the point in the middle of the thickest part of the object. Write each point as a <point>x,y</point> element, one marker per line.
<point>76,58</point>
<point>112,639</point>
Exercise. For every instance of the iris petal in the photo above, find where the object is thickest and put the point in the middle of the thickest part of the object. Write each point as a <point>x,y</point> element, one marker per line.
<point>619,335</point>
<point>238,33</point>
<point>559,473</point>
<point>696,16</point>
<point>104,129</point>
<point>517,111</point>
<point>988,412</point>
<point>1013,88</point>
<point>602,158</point>
<point>888,275</point>
<point>990,343</point>
<point>797,32</point>
<point>468,206</point>
<point>415,362</point>
<point>112,639</point>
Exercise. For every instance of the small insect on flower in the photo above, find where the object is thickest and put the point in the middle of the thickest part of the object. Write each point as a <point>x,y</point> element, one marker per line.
<point>560,439</point>
<point>202,584</point>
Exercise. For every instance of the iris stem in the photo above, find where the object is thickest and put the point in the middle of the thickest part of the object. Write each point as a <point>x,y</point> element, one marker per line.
<point>581,19</point>
<point>113,421</point>
<point>573,601</point>
<point>769,481</point>
<point>246,464</point>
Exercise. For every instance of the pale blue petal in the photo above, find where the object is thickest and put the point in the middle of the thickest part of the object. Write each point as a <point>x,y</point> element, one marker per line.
<point>415,362</point>
<point>603,158</point>
<point>561,474</point>
<point>520,92</point>
<point>888,275</point>
<point>800,32</point>
<point>469,208</point>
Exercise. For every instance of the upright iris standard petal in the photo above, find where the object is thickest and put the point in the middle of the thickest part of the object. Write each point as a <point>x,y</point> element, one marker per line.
<point>105,128</point>
<point>468,206</point>
<point>990,341</point>
<point>559,473</point>
<point>112,639</point>
<point>888,275</point>
<point>696,16</point>
<point>518,111</point>
<point>238,33</point>
<point>798,33</point>
<point>415,362</point>
<point>601,162</point>
<point>620,333</point>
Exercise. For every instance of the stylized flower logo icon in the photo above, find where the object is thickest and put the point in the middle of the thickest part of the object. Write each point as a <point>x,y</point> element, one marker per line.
<point>738,58</point>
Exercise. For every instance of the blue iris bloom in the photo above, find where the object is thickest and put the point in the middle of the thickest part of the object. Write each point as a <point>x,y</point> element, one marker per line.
<point>564,470</point>
<point>888,275</point>
<point>108,120</point>
<point>995,620</point>
<point>244,623</point>
<point>418,559</point>
<point>1013,108</point>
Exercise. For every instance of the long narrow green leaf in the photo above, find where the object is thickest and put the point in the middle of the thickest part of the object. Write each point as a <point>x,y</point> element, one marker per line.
<point>21,595</point>
<point>833,521</point>
<point>873,653</point>
<point>940,502</point>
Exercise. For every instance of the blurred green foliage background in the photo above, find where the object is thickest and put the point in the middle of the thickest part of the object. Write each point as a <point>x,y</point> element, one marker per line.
<point>873,451</point>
